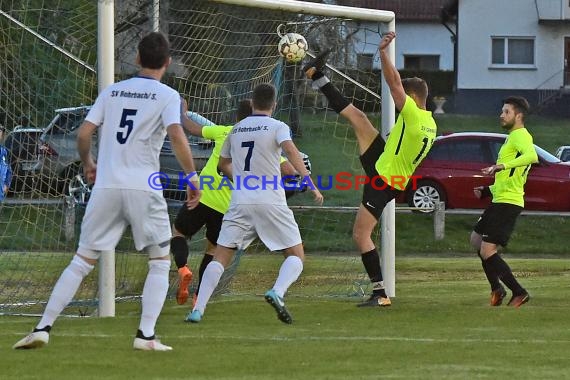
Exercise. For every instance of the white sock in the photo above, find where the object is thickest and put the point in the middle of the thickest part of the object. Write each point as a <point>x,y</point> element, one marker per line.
<point>289,273</point>
<point>64,290</point>
<point>316,84</point>
<point>210,280</point>
<point>154,294</point>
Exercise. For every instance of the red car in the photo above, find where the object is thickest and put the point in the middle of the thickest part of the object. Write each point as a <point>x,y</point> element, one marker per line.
<point>453,168</point>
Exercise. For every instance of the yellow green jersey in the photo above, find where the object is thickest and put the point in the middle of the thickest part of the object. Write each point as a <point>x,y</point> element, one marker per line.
<point>517,155</point>
<point>407,145</point>
<point>213,195</point>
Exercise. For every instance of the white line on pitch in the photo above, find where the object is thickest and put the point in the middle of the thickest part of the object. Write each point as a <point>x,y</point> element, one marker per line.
<point>324,338</point>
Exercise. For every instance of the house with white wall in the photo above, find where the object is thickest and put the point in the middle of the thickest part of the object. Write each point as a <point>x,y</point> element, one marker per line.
<point>513,47</point>
<point>422,42</point>
<point>504,47</point>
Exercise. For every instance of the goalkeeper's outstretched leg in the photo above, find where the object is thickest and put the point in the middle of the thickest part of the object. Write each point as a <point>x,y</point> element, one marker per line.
<point>363,128</point>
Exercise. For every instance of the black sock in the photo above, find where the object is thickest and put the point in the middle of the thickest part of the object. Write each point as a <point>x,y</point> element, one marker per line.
<point>179,249</point>
<point>141,336</point>
<point>502,269</point>
<point>371,262</point>
<point>46,328</point>
<point>336,100</point>
<point>205,261</point>
<point>491,275</point>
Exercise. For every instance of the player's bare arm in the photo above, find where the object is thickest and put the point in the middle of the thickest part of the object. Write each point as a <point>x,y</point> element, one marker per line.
<point>390,73</point>
<point>287,169</point>
<point>294,157</point>
<point>190,125</point>
<point>319,198</point>
<point>84,138</point>
<point>184,156</point>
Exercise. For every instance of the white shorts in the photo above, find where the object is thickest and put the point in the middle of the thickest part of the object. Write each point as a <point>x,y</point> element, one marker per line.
<point>275,226</point>
<point>110,211</point>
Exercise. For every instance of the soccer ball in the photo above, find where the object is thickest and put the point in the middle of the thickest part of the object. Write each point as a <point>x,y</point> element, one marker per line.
<point>293,47</point>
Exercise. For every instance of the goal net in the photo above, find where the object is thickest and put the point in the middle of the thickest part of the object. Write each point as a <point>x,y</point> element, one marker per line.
<point>220,52</point>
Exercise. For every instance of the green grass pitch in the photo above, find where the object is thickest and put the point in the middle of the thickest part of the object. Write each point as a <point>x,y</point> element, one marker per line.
<point>439,327</point>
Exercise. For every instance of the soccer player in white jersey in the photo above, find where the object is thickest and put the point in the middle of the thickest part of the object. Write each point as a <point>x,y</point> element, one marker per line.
<point>258,207</point>
<point>132,118</point>
<point>214,202</point>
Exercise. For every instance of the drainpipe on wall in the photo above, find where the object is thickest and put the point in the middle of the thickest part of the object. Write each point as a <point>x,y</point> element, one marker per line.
<point>448,12</point>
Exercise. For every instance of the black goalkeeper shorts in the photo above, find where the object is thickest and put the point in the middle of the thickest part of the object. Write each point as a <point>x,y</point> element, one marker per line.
<point>188,222</point>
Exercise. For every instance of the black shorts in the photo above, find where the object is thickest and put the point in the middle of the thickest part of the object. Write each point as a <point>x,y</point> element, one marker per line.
<point>497,223</point>
<point>188,222</point>
<point>377,194</point>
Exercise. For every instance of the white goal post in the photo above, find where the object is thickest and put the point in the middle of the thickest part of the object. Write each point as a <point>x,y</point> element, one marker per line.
<point>105,75</point>
<point>106,307</point>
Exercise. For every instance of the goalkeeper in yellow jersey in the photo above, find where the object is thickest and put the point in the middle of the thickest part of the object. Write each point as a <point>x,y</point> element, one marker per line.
<point>388,165</point>
<point>495,226</point>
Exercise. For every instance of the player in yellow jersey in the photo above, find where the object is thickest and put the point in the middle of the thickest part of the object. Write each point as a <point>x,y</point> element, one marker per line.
<point>213,204</point>
<point>388,164</point>
<point>495,226</point>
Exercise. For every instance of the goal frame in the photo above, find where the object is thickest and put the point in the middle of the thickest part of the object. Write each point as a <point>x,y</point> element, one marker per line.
<point>105,58</point>
<point>388,220</point>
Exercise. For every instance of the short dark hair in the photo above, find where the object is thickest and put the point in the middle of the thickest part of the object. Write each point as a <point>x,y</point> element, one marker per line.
<point>154,51</point>
<point>519,103</point>
<point>264,96</point>
<point>244,109</point>
<point>416,86</point>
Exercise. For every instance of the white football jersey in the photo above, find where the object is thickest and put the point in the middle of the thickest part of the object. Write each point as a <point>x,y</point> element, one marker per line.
<point>132,116</point>
<point>254,145</point>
